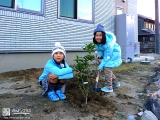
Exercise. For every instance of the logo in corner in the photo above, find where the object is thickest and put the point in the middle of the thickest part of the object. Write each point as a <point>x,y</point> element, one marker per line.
<point>5,112</point>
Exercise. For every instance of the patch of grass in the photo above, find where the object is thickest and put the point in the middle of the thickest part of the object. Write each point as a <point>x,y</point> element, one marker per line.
<point>40,103</point>
<point>130,66</point>
<point>124,67</point>
<point>121,115</point>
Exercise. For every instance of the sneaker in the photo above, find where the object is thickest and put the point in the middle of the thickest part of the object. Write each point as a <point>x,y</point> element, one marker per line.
<point>60,94</point>
<point>52,96</point>
<point>117,84</point>
<point>105,89</point>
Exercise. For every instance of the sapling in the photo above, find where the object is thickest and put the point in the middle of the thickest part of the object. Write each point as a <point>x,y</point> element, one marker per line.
<point>83,75</point>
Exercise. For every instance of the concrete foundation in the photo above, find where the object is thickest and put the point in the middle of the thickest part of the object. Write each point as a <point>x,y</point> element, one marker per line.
<point>19,61</point>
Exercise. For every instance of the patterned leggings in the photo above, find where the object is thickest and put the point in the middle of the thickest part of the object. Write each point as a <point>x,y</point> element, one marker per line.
<point>110,77</point>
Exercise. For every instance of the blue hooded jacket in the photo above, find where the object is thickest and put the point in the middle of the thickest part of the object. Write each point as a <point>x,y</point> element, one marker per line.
<point>111,52</point>
<point>58,70</point>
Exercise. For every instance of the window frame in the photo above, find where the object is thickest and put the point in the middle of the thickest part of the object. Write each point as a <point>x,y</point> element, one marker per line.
<point>42,12</point>
<point>32,11</point>
<point>77,19</point>
<point>9,8</point>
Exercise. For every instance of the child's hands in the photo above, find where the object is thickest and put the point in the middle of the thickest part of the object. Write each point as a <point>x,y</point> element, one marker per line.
<point>99,61</point>
<point>99,70</point>
<point>52,76</point>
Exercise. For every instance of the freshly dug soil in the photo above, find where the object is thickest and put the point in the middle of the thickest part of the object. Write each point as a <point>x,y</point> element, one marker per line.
<point>21,90</point>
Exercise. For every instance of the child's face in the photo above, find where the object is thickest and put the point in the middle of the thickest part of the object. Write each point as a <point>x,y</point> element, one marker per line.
<point>98,37</point>
<point>58,56</point>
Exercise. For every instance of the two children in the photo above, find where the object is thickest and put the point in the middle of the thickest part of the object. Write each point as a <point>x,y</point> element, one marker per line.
<point>57,71</point>
<point>109,56</point>
<point>55,74</point>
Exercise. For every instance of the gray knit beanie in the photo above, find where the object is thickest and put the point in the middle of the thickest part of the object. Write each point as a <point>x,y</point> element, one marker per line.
<point>58,48</point>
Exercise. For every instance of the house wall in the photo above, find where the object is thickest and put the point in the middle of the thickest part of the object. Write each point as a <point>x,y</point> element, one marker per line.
<point>22,32</point>
<point>22,61</point>
<point>140,26</point>
<point>141,22</point>
<point>104,14</point>
<point>147,40</point>
<point>132,10</point>
<point>130,7</point>
<point>121,4</point>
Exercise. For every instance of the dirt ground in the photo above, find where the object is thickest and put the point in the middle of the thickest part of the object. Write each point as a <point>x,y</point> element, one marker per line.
<point>20,91</point>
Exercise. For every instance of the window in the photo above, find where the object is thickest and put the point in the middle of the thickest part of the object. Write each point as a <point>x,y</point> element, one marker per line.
<point>7,3</point>
<point>85,9</point>
<point>80,10</point>
<point>149,25</point>
<point>144,38</point>
<point>146,25</point>
<point>33,5</point>
<point>152,27</point>
<point>29,6</point>
<point>151,38</point>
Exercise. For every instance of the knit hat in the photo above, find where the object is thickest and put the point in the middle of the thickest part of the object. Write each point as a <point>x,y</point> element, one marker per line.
<point>99,28</point>
<point>58,48</point>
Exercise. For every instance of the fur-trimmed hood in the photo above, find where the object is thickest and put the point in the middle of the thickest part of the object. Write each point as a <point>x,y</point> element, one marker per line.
<point>110,52</point>
<point>110,39</point>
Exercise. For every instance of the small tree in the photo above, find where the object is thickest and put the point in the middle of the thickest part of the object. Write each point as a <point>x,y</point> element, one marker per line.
<point>83,73</point>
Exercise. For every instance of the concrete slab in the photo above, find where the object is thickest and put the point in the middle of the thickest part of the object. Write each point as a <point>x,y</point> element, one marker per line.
<point>139,59</point>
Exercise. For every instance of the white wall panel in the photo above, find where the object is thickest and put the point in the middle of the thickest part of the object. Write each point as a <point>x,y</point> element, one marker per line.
<point>132,10</point>
<point>22,32</point>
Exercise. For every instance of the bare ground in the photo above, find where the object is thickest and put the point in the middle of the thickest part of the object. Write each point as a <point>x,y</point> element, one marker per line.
<point>20,90</point>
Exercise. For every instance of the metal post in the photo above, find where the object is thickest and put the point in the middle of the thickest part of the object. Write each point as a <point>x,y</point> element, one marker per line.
<point>157,35</point>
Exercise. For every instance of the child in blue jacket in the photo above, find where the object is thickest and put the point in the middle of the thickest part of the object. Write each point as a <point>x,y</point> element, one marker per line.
<point>55,74</point>
<point>109,56</point>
